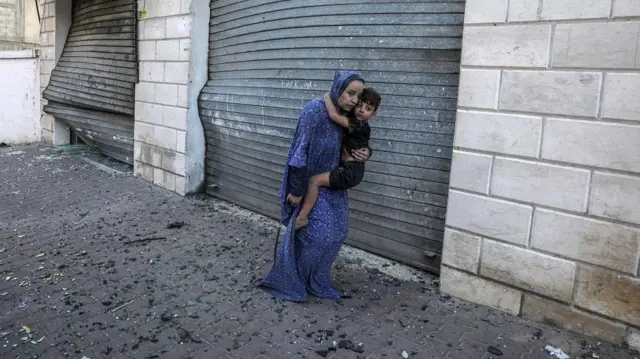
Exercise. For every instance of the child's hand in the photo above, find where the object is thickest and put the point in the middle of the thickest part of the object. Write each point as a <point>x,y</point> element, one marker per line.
<point>293,200</point>
<point>361,155</point>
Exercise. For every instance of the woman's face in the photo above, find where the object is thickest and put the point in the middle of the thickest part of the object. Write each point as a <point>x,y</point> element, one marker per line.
<point>349,98</point>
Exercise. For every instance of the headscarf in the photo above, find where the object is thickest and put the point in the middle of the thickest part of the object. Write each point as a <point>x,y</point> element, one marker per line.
<point>341,81</point>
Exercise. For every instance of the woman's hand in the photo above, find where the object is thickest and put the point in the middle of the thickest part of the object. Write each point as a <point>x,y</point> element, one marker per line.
<point>293,200</point>
<point>361,155</point>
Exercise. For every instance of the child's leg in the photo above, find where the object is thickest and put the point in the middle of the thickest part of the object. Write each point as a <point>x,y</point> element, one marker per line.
<point>310,199</point>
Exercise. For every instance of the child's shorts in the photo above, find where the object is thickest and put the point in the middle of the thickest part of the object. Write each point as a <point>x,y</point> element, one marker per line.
<point>348,175</point>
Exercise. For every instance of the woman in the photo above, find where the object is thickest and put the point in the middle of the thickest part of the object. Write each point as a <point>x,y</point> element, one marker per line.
<point>305,257</point>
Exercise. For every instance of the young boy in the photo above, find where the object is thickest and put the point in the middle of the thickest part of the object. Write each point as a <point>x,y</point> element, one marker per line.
<point>350,172</point>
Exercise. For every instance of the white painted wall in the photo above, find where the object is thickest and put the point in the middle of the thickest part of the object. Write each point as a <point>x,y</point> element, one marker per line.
<point>19,97</point>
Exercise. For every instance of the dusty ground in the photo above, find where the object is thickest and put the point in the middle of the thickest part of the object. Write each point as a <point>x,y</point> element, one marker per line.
<point>89,268</point>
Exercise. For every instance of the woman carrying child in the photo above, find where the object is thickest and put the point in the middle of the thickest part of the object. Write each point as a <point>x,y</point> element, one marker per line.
<point>304,257</point>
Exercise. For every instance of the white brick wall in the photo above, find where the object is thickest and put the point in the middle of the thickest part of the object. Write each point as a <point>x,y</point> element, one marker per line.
<point>545,180</point>
<point>47,61</point>
<point>161,98</point>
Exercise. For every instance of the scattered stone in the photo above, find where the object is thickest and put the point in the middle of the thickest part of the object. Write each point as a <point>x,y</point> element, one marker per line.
<point>405,355</point>
<point>495,351</point>
<point>348,345</point>
<point>175,225</point>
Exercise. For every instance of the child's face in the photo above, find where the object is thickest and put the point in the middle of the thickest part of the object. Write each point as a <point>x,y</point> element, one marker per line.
<point>364,111</point>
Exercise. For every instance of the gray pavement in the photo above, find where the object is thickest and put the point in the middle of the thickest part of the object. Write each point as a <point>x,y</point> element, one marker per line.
<point>90,268</point>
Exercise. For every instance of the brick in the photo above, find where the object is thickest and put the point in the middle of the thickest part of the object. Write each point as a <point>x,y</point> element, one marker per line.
<point>470,171</point>
<point>562,93</point>
<point>168,50</point>
<point>179,26</point>
<point>539,273</point>
<point>146,50</point>
<point>517,45</point>
<point>615,196</point>
<point>479,88</point>
<point>144,132</point>
<point>485,11</point>
<point>152,71</point>
<point>598,144</point>
<point>549,185</point>
<point>574,9</point>
<point>181,142</point>
<point>145,91</point>
<point>185,6</point>
<point>500,133</point>
<point>181,185</point>
<point>177,73</point>
<point>523,10</point>
<point>593,241</point>
<point>175,117</point>
<point>165,137</point>
<point>489,217</point>
<point>154,29</point>
<point>174,162</point>
<point>166,94</point>
<point>148,112</point>
<point>622,96</point>
<point>183,100</point>
<point>167,8</point>
<point>623,8</point>
<point>461,250</point>
<point>185,50</point>
<point>602,45</point>
<point>137,150</point>
<point>564,316</point>
<point>143,171</point>
<point>479,290</point>
<point>609,293</point>
<point>164,179</point>
<point>150,154</point>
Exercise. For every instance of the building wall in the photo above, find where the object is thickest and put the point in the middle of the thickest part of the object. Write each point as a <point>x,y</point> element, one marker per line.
<point>544,208</point>
<point>19,25</point>
<point>47,61</point>
<point>19,97</point>
<point>163,96</point>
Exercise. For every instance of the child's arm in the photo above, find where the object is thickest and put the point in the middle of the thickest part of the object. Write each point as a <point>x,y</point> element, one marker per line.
<point>333,113</point>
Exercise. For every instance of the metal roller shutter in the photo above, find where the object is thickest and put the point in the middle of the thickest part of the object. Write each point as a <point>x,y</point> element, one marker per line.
<point>92,87</point>
<point>268,58</point>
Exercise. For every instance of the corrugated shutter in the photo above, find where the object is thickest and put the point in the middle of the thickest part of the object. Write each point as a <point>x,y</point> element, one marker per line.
<point>268,58</point>
<point>92,87</point>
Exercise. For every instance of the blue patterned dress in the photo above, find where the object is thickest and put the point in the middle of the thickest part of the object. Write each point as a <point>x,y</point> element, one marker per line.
<point>304,257</point>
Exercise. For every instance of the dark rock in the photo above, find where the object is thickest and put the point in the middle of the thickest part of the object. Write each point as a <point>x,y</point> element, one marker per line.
<point>495,351</point>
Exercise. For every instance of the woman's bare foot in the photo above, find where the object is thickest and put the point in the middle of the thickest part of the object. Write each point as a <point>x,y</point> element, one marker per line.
<point>301,222</point>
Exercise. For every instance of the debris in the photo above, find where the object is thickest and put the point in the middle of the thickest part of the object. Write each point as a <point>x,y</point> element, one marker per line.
<point>4,294</point>
<point>175,225</point>
<point>85,357</point>
<point>185,336</point>
<point>405,355</point>
<point>348,345</point>
<point>145,240</point>
<point>537,334</point>
<point>495,351</point>
<point>4,334</point>
<point>558,353</point>
<point>41,255</point>
<point>120,307</point>
<point>26,329</point>
<point>40,340</point>
<point>2,144</point>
